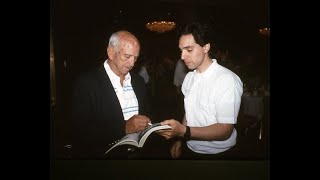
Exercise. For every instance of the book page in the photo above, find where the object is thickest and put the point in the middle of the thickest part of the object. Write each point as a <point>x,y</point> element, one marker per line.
<point>154,127</point>
<point>130,139</point>
<point>138,138</point>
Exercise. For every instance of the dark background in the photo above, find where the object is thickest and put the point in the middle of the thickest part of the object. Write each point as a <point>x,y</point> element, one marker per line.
<point>82,28</point>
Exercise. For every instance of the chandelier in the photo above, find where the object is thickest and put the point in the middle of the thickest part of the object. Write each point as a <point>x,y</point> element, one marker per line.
<point>161,26</point>
<point>265,31</point>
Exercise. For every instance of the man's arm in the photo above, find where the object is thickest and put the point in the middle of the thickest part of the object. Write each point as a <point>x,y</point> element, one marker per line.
<point>214,132</point>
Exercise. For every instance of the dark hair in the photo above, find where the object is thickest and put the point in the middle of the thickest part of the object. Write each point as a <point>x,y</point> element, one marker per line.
<point>202,34</point>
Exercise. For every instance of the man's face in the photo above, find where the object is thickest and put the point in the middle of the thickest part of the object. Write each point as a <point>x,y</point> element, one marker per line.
<point>191,53</point>
<point>125,56</point>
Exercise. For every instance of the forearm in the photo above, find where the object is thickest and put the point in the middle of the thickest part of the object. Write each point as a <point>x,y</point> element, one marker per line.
<point>215,132</point>
<point>184,122</point>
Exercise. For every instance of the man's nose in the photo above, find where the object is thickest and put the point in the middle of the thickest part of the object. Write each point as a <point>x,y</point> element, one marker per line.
<point>183,55</point>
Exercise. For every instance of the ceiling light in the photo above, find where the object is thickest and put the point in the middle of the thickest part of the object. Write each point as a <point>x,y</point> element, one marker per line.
<point>161,26</point>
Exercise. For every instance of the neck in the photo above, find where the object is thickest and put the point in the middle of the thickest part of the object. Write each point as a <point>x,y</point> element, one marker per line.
<point>205,64</point>
<point>114,69</point>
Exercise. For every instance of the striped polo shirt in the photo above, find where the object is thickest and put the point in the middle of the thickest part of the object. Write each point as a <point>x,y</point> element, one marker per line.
<point>125,94</point>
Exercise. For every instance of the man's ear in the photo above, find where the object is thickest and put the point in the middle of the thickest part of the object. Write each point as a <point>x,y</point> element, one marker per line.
<point>206,48</point>
<point>110,52</point>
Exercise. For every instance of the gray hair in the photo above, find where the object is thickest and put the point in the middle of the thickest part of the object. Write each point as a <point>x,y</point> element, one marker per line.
<point>114,40</point>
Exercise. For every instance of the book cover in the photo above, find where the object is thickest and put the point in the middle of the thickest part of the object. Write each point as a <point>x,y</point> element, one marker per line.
<point>138,139</point>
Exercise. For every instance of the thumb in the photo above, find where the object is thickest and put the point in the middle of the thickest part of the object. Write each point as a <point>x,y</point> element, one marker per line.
<point>164,122</point>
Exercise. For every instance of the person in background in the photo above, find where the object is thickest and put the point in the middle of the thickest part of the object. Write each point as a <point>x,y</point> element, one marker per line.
<point>140,68</point>
<point>179,75</point>
<point>144,74</point>
<point>108,101</point>
<point>212,98</point>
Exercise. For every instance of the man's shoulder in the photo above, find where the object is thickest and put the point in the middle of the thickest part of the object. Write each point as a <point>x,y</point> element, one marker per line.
<point>189,74</point>
<point>89,75</point>
<point>136,77</point>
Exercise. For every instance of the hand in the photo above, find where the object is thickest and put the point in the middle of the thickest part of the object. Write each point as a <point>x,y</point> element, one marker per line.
<point>176,150</point>
<point>137,123</point>
<point>177,129</point>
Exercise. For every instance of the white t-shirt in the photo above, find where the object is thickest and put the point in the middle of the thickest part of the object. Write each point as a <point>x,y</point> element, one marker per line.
<point>210,97</point>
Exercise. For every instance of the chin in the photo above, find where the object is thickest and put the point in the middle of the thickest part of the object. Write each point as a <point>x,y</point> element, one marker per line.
<point>190,67</point>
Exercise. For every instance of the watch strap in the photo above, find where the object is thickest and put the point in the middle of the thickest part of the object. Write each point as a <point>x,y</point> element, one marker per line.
<point>187,134</point>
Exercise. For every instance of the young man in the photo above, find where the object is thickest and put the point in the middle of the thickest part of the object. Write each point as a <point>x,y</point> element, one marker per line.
<point>212,97</point>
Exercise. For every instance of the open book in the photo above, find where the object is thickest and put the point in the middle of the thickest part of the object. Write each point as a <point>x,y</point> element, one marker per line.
<point>138,138</point>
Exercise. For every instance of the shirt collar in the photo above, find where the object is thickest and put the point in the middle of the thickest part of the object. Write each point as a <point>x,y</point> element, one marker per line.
<point>113,77</point>
<point>208,71</point>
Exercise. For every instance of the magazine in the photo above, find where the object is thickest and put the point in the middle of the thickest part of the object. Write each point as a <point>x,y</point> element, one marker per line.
<point>138,139</point>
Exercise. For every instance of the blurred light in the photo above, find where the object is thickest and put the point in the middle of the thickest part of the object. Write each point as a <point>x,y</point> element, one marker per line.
<point>161,26</point>
<point>264,31</point>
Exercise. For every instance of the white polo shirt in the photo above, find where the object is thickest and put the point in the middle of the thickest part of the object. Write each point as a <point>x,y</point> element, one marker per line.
<point>125,94</point>
<point>210,97</point>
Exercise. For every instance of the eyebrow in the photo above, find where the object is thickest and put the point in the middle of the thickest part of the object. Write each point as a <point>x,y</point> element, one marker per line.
<point>186,47</point>
<point>126,54</point>
<point>130,55</point>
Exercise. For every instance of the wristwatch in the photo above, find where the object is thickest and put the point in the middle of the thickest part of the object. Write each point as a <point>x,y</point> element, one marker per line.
<point>187,134</point>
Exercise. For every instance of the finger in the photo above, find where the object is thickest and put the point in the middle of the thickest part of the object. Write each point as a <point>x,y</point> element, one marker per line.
<point>167,137</point>
<point>161,131</point>
<point>142,123</point>
<point>145,121</point>
<point>167,121</point>
<point>142,127</point>
<point>175,155</point>
<point>163,122</point>
<point>145,126</point>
